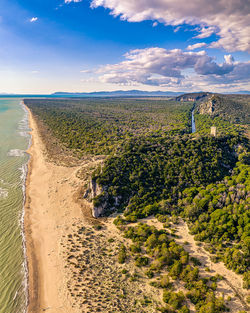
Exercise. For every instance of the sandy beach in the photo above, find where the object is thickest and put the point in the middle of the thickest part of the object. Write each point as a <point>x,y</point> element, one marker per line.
<point>49,211</point>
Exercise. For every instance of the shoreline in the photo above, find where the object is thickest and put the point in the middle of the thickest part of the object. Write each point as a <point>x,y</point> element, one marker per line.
<point>24,176</point>
<point>43,221</point>
<point>31,278</point>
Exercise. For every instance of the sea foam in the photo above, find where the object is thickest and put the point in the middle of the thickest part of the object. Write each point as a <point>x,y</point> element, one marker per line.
<point>3,193</point>
<point>24,127</point>
<point>16,153</point>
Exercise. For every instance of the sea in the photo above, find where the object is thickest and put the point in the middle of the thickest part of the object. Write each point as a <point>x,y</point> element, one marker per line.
<point>14,141</point>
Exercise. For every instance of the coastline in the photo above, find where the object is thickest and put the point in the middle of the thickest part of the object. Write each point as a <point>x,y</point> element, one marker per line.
<point>25,171</point>
<point>46,279</point>
<point>31,262</point>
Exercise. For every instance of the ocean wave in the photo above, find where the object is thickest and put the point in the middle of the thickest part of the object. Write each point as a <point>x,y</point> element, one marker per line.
<point>24,171</point>
<point>24,133</point>
<point>3,193</point>
<point>16,153</point>
<point>23,125</point>
<point>13,173</point>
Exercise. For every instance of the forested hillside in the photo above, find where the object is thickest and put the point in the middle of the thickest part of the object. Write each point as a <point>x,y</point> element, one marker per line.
<point>232,108</point>
<point>148,170</point>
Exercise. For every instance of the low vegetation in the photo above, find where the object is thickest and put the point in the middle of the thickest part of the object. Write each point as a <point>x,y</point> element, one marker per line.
<point>169,262</point>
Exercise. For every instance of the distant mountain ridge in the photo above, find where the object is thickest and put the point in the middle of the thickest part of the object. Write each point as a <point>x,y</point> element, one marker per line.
<point>120,93</point>
<point>180,96</point>
<point>125,93</point>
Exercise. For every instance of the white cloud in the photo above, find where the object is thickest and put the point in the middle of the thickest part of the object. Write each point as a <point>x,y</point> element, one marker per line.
<point>155,24</point>
<point>206,32</point>
<point>161,67</point>
<point>227,18</point>
<point>68,1</point>
<point>229,58</point>
<point>33,19</point>
<point>205,66</point>
<point>86,71</point>
<point>177,29</point>
<point>196,46</point>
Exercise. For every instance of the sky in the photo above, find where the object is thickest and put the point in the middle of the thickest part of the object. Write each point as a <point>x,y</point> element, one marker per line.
<point>93,45</point>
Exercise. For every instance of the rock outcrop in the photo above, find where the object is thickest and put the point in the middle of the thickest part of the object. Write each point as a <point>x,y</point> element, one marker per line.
<point>208,107</point>
<point>101,200</point>
<point>96,190</point>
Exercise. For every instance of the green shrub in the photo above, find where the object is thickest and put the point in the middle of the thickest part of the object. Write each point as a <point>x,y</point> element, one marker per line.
<point>122,255</point>
<point>164,282</point>
<point>141,261</point>
<point>246,280</point>
<point>175,299</point>
<point>135,248</point>
<point>149,273</point>
<point>119,221</point>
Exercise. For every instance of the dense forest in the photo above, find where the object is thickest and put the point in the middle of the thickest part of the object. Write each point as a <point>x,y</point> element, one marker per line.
<point>148,170</point>
<point>219,215</point>
<point>156,167</point>
<point>98,126</point>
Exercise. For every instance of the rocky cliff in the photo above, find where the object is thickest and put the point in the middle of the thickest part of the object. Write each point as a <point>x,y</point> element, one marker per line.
<point>209,106</point>
<point>93,191</point>
<point>97,196</point>
<point>101,201</point>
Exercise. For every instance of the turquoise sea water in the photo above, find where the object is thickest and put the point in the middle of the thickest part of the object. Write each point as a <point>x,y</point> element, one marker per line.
<point>14,140</point>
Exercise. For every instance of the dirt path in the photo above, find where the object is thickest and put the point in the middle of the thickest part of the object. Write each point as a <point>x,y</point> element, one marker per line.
<point>230,286</point>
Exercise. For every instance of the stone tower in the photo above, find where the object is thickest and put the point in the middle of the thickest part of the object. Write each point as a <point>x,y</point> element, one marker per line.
<point>213,131</point>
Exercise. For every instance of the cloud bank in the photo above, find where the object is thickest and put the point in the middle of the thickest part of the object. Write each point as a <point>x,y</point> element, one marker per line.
<point>227,18</point>
<point>167,68</point>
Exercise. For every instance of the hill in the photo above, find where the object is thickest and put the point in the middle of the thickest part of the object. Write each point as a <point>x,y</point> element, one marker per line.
<point>233,108</point>
<point>195,96</point>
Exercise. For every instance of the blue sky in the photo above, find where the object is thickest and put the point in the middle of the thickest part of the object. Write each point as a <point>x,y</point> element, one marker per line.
<point>72,45</point>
